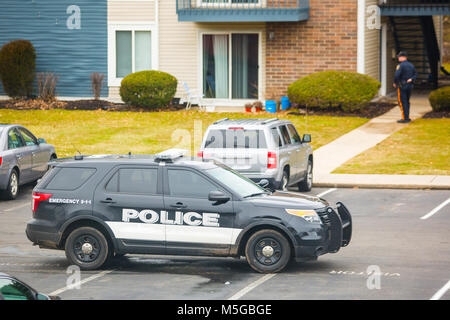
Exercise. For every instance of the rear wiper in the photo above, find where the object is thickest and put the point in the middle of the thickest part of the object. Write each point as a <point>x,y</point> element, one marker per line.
<point>257,194</point>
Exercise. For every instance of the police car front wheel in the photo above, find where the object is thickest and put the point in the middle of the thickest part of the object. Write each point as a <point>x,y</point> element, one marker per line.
<point>268,251</point>
<point>87,248</point>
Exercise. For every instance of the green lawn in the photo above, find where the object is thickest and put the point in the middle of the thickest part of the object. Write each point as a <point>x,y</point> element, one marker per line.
<point>420,148</point>
<point>101,132</point>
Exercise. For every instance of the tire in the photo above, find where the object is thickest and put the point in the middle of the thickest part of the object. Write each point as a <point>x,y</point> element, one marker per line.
<point>12,190</point>
<point>77,252</point>
<point>263,243</point>
<point>306,184</point>
<point>284,181</point>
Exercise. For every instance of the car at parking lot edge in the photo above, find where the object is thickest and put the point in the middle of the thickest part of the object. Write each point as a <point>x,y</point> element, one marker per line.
<point>23,158</point>
<point>262,149</point>
<point>95,207</point>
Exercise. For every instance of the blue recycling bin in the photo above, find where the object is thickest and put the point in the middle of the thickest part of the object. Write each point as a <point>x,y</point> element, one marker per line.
<point>285,103</point>
<point>271,106</point>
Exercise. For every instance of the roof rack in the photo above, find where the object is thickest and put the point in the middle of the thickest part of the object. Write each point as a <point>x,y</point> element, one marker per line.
<point>221,120</point>
<point>170,155</point>
<point>269,120</point>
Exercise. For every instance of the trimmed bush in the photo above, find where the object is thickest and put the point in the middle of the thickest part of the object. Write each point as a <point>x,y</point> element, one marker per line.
<point>349,91</point>
<point>440,99</point>
<point>148,89</point>
<point>17,68</point>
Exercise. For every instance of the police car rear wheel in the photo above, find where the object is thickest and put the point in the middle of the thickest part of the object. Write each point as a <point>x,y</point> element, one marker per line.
<point>268,251</point>
<point>87,248</point>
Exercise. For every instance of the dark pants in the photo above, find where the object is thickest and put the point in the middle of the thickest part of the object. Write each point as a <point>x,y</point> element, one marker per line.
<point>404,94</point>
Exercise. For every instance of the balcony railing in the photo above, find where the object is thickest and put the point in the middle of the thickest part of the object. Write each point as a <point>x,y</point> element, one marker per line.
<point>242,10</point>
<point>414,7</point>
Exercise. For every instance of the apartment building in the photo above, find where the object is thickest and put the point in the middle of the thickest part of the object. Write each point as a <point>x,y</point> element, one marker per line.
<point>232,51</point>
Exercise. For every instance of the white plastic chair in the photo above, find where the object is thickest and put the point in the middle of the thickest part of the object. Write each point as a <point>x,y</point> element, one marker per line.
<point>193,98</point>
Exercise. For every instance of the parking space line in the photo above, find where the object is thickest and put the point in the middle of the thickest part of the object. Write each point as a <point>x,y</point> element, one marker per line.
<point>251,286</point>
<point>441,292</point>
<point>326,192</point>
<point>439,207</point>
<point>17,207</point>
<point>93,277</point>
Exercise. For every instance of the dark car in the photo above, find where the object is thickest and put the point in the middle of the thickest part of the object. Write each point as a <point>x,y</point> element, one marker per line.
<point>23,158</point>
<point>12,288</point>
<point>96,207</point>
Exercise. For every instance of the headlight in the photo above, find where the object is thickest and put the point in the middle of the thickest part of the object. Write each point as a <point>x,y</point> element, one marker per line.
<point>308,215</point>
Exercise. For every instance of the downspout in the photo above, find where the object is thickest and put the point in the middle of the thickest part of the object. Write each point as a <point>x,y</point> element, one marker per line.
<point>360,67</point>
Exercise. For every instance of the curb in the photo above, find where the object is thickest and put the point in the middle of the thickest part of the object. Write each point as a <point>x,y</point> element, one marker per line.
<point>380,186</point>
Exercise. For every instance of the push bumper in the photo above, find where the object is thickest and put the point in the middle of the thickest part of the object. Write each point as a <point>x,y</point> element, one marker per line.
<point>336,233</point>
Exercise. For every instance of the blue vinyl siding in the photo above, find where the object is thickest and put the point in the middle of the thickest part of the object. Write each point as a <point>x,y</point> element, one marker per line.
<point>72,54</point>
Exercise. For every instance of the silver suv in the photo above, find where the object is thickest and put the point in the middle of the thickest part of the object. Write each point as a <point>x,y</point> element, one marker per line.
<point>268,151</point>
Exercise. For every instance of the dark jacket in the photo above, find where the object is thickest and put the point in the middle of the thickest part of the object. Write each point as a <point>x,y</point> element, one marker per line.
<point>404,72</point>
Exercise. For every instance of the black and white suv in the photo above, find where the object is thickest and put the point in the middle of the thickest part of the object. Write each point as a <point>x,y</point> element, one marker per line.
<point>96,207</point>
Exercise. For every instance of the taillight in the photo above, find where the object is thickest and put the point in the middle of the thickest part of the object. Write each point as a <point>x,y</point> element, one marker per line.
<point>200,154</point>
<point>236,128</point>
<point>37,198</point>
<point>1,160</point>
<point>271,160</point>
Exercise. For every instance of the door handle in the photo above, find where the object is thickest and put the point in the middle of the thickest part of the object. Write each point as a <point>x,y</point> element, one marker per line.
<point>19,156</point>
<point>178,205</point>
<point>107,200</point>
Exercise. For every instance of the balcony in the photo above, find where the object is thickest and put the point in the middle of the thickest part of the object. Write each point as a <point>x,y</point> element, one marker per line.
<point>242,10</point>
<point>414,7</point>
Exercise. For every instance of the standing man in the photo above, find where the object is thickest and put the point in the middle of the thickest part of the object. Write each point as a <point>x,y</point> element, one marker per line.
<point>404,79</point>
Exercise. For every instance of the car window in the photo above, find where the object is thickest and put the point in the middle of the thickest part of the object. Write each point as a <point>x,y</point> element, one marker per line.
<point>236,138</point>
<point>28,137</point>
<point>185,183</point>
<point>276,137</point>
<point>235,181</point>
<point>70,178</point>
<point>14,290</point>
<point>295,138</point>
<point>14,139</point>
<point>134,180</point>
<point>285,135</point>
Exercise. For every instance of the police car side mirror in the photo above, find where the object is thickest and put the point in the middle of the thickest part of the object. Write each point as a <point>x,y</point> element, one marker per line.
<point>264,183</point>
<point>218,196</point>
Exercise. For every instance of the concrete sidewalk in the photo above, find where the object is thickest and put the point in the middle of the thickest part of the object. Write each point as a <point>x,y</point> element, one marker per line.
<point>333,155</point>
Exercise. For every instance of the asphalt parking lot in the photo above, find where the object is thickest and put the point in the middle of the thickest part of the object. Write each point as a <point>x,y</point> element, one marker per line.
<point>411,254</point>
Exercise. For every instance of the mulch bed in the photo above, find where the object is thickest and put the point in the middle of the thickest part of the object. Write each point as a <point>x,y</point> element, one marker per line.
<point>373,110</point>
<point>437,115</point>
<point>87,105</point>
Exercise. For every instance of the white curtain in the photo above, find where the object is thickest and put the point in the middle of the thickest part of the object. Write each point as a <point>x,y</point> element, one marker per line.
<point>143,50</point>
<point>220,45</point>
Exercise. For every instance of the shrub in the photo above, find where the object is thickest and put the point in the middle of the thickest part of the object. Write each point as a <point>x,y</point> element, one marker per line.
<point>440,99</point>
<point>17,68</point>
<point>334,89</point>
<point>46,82</point>
<point>148,89</point>
<point>97,83</point>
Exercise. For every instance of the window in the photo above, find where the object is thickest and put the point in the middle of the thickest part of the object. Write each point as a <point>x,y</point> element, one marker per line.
<point>29,139</point>
<point>285,135</point>
<point>235,181</point>
<point>14,139</point>
<point>134,180</point>
<point>276,137</point>
<point>236,138</point>
<point>230,66</point>
<point>14,290</point>
<point>295,138</point>
<point>184,183</point>
<point>133,48</point>
<point>70,178</point>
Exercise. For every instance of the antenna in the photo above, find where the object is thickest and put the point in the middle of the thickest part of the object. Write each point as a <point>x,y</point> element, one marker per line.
<point>76,149</point>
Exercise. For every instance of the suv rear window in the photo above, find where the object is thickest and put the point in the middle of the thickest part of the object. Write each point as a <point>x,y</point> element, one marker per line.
<point>236,138</point>
<point>70,178</point>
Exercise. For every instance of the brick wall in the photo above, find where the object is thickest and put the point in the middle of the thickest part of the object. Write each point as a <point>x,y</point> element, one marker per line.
<point>327,41</point>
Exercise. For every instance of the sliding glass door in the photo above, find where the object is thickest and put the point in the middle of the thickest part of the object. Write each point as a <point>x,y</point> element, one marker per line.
<point>230,66</point>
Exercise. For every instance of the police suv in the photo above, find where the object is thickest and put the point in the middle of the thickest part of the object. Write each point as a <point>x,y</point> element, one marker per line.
<point>95,207</point>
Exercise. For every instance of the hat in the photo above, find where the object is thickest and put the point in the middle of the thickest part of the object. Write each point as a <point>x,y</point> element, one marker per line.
<point>402,54</point>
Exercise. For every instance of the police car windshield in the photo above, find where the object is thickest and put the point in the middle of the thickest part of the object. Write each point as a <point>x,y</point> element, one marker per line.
<point>238,183</point>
